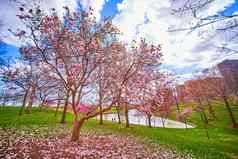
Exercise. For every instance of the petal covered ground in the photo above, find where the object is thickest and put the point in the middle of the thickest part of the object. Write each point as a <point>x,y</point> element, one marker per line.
<point>25,144</point>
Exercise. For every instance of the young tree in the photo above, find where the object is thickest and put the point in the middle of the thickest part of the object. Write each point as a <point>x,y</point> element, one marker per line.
<point>217,87</point>
<point>196,94</point>
<point>139,93</point>
<point>129,63</point>
<point>20,76</point>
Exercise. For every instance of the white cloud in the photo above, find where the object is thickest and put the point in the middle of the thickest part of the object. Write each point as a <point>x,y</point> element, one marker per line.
<point>151,19</point>
<point>9,10</point>
<point>96,5</point>
<point>217,6</point>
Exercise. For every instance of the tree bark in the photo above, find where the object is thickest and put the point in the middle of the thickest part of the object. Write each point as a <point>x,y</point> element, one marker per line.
<point>65,109</point>
<point>210,109</point>
<point>126,115</point>
<point>203,118</point>
<point>234,124</point>
<point>202,111</point>
<point>57,108</point>
<point>76,129</point>
<point>29,107</point>
<point>79,123</point>
<point>163,122</point>
<point>149,120</point>
<point>24,102</point>
<point>101,119</point>
<point>100,104</point>
<point>118,114</point>
<point>32,96</point>
<point>42,104</point>
<point>177,104</point>
<point>100,95</point>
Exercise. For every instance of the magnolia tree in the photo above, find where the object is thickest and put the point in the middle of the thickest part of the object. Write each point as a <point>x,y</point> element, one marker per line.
<point>81,56</point>
<point>21,77</point>
<point>106,81</point>
<point>141,92</point>
<point>78,52</point>
<point>71,48</point>
<point>165,100</point>
<point>151,93</point>
<point>130,63</point>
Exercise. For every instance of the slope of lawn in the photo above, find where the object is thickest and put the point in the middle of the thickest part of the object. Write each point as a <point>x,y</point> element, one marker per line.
<point>223,142</point>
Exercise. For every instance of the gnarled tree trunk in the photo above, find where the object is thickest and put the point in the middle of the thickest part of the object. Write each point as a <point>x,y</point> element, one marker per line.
<point>76,129</point>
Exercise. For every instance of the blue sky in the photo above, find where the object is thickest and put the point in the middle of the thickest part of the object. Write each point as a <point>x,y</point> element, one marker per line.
<point>110,8</point>
<point>187,58</point>
<point>231,9</point>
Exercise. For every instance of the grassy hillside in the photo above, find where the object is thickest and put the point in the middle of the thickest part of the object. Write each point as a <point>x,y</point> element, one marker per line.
<point>223,142</point>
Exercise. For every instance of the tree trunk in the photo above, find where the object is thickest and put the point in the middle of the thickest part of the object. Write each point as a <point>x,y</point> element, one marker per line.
<point>118,113</point>
<point>177,104</point>
<point>210,109</point>
<point>163,122</point>
<point>76,129</point>
<point>24,102</point>
<point>65,109</point>
<point>185,121</point>
<point>149,120</point>
<point>101,119</point>
<point>126,116</point>
<point>32,97</point>
<point>234,124</point>
<point>57,108</point>
<point>4,102</point>
<point>29,107</point>
<point>42,104</point>
<point>100,95</point>
<point>203,118</point>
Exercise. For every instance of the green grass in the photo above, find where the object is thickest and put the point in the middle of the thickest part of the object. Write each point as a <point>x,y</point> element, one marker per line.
<point>223,142</point>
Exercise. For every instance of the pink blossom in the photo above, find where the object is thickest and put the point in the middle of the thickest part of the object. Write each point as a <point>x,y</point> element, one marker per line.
<point>83,108</point>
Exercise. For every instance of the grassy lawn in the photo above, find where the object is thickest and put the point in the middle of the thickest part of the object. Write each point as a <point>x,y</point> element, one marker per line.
<point>223,142</point>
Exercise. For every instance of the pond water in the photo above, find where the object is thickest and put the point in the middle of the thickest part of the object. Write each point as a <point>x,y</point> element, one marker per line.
<point>137,118</point>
